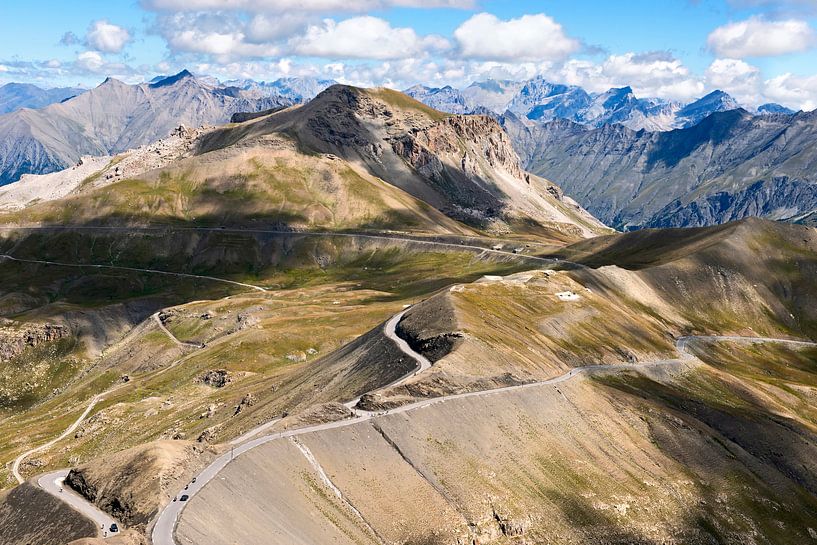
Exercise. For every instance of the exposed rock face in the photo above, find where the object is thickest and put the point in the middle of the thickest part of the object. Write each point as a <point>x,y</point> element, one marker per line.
<point>247,401</point>
<point>431,150</point>
<point>217,378</point>
<point>442,138</point>
<point>132,484</point>
<point>465,166</point>
<point>15,339</point>
<point>729,166</point>
<point>778,198</point>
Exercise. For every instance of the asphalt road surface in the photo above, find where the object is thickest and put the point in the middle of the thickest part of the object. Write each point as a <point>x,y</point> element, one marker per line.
<point>53,484</point>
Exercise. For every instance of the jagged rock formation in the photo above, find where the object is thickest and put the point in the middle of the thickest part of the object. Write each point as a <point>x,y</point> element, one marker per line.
<point>115,117</point>
<point>729,166</point>
<point>16,338</point>
<point>541,100</point>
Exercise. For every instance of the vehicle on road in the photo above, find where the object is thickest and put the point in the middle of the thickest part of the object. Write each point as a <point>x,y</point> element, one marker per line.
<point>184,497</point>
<point>114,528</point>
<point>193,480</point>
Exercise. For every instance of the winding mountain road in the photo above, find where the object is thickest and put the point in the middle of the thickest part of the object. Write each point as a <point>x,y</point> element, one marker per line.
<point>164,528</point>
<point>53,484</point>
<point>15,467</point>
<point>172,337</point>
<point>377,235</point>
<point>133,269</point>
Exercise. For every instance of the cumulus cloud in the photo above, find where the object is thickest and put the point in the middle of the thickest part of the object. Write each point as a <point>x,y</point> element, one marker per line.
<point>757,37</point>
<point>652,74</point>
<point>269,28</point>
<point>90,61</point>
<point>797,92</point>
<point>738,78</point>
<point>363,37</point>
<point>280,6</point>
<point>527,38</point>
<point>106,37</point>
<point>221,37</point>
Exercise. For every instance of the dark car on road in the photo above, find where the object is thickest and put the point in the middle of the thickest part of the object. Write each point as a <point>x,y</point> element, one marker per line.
<point>184,497</point>
<point>114,528</point>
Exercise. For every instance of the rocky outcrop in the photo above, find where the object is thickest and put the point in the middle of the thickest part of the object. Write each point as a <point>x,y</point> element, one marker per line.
<point>422,147</point>
<point>217,378</point>
<point>430,328</point>
<point>15,339</point>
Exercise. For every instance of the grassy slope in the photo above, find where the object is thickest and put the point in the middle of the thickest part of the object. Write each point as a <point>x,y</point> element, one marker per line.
<point>318,305</point>
<point>720,452</point>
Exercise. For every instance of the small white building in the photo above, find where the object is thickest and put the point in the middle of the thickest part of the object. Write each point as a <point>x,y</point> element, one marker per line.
<point>568,296</point>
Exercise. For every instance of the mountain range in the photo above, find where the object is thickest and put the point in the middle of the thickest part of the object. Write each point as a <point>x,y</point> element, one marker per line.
<point>730,165</point>
<point>115,117</point>
<point>632,162</point>
<point>15,96</point>
<point>541,100</point>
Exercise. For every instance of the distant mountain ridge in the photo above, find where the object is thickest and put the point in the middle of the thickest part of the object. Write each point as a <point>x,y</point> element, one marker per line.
<point>293,89</point>
<point>540,100</point>
<point>115,117</point>
<point>730,165</point>
<point>15,96</point>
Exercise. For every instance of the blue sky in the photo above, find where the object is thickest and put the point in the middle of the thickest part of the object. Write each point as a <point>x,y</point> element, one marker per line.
<point>758,50</point>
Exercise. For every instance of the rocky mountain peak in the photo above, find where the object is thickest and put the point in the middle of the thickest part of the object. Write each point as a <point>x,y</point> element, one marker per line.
<point>171,80</point>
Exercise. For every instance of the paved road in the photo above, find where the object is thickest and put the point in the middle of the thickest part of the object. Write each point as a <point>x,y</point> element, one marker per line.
<point>381,235</point>
<point>390,330</point>
<point>53,484</point>
<point>164,529</point>
<point>133,269</point>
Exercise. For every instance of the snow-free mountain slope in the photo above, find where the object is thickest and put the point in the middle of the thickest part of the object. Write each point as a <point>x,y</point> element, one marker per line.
<point>729,166</point>
<point>112,118</point>
<point>15,96</point>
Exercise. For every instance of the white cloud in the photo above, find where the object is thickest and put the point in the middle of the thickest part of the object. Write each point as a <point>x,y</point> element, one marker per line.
<point>528,38</point>
<point>280,6</point>
<point>219,36</point>
<point>266,28</point>
<point>106,37</point>
<point>655,74</point>
<point>363,37</point>
<point>757,37</point>
<point>90,61</point>
<point>738,78</point>
<point>796,92</point>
